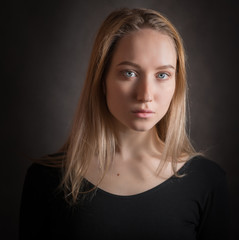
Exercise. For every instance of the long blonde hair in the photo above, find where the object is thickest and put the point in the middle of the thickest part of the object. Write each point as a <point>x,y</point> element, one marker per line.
<point>92,132</point>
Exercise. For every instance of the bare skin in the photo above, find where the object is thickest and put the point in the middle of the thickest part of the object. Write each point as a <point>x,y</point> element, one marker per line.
<point>139,88</point>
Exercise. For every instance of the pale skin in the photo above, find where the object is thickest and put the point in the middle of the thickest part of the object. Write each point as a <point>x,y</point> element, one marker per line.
<point>139,87</point>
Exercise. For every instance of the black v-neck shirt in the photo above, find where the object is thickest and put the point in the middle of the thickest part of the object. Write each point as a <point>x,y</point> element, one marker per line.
<point>192,207</point>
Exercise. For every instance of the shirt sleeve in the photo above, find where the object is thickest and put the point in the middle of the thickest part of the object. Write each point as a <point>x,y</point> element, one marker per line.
<point>216,216</point>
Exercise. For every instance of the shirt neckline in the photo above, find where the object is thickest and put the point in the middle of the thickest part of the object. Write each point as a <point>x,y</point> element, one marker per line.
<point>143,193</point>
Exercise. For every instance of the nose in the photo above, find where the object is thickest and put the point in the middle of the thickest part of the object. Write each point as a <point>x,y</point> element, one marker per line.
<point>144,90</point>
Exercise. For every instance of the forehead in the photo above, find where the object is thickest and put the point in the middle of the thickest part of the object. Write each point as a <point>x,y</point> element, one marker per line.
<point>145,47</point>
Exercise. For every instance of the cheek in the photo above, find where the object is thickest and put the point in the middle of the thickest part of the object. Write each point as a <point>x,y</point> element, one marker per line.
<point>170,93</point>
<point>118,93</point>
<point>115,96</point>
<point>165,94</point>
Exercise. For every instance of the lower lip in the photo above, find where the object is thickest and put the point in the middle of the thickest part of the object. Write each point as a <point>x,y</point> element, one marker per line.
<point>143,114</point>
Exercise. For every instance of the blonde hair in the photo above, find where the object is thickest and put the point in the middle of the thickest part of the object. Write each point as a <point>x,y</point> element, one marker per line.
<point>92,133</point>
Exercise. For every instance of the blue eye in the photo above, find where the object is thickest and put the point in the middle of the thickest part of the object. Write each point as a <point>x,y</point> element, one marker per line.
<point>163,75</point>
<point>130,74</point>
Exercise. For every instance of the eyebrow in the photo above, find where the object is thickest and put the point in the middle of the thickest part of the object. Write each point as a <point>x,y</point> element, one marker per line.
<point>137,66</point>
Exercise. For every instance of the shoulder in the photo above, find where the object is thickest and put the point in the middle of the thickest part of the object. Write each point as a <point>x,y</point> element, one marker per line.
<point>203,163</point>
<point>205,170</point>
<point>37,170</point>
<point>47,167</point>
<point>42,179</point>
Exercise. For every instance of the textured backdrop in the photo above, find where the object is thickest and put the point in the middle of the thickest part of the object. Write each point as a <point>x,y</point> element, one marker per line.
<point>47,46</point>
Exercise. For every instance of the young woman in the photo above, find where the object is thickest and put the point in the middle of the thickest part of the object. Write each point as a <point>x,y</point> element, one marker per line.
<point>128,170</point>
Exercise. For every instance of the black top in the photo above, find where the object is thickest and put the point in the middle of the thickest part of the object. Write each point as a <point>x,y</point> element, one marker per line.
<point>188,208</point>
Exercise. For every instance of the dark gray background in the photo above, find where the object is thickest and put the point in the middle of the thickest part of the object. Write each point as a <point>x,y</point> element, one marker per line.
<point>47,46</point>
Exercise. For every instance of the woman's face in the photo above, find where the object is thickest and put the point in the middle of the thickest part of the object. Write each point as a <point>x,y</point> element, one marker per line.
<point>141,79</point>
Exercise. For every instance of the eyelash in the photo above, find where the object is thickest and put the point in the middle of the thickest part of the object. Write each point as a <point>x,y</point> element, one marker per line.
<point>157,75</point>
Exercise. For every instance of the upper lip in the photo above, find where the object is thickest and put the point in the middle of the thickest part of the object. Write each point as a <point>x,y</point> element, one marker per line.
<point>142,111</point>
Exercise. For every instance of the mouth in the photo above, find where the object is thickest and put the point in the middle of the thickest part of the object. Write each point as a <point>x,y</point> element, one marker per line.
<point>143,113</point>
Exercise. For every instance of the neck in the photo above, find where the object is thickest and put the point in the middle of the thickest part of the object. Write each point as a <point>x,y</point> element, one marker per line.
<point>137,145</point>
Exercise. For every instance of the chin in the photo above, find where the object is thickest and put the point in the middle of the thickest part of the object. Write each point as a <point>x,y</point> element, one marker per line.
<point>135,126</point>
<point>141,128</point>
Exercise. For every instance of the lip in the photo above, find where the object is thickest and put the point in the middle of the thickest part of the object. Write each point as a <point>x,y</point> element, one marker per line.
<point>143,113</point>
